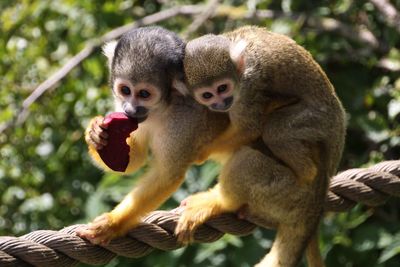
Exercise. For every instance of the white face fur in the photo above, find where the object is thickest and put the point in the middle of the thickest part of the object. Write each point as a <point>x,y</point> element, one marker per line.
<point>135,100</point>
<point>218,96</point>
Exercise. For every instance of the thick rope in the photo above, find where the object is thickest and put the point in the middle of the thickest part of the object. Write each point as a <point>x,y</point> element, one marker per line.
<point>370,186</point>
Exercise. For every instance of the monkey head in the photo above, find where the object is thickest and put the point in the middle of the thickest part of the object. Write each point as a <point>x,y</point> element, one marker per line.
<point>144,65</point>
<point>213,67</point>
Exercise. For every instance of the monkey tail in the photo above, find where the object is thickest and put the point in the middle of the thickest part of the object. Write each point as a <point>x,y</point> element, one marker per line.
<point>313,254</point>
<point>292,239</point>
<point>289,245</point>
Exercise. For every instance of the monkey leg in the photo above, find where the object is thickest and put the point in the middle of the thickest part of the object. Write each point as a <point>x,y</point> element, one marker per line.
<point>271,191</point>
<point>300,156</point>
<point>284,251</point>
<point>313,254</point>
<point>150,192</point>
<point>198,209</point>
<point>301,137</point>
<point>202,206</point>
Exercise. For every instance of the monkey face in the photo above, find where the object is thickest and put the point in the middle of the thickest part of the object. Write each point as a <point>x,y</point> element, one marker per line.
<point>144,65</point>
<point>135,100</point>
<point>218,96</point>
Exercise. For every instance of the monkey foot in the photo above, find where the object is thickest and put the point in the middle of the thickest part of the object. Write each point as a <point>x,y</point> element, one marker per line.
<point>100,231</point>
<point>197,209</point>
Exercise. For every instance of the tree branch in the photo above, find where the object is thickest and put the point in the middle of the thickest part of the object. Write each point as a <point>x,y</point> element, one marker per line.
<point>212,9</point>
<point>389,12</point>
<point>208,11</point>
<point>21,114</point>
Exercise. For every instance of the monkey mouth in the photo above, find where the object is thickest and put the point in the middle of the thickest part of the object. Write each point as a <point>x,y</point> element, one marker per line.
<point>141,119</point>
<point>225,107</point>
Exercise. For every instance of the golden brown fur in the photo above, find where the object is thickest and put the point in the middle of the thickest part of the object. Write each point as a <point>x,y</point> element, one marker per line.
<point>290,126</point>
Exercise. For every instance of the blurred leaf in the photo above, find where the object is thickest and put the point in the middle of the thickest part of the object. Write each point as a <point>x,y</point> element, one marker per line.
<point>47,180</point>
<point>95,205</point>
<point>390,251</point>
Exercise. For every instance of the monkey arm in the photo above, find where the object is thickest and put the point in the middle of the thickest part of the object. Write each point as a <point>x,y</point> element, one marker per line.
<point>224,145</point>
<point>150,192</point>
<point>237,135</point>
<point>165,174</point>
<point>295,143</point>
<point>153,189</point>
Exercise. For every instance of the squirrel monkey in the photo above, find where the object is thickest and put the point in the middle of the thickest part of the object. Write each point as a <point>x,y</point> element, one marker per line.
<point>286,131</point>
<point>146,69</point>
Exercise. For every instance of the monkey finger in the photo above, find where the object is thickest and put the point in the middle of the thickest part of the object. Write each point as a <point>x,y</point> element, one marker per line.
<point>99,131</point>
<point>104,135</point>
<point>98,240</point>
<point>96,145</point>
<point>92,143</point>
<point>97,232</point>
<point>86,233</point>
<point>97,139</point>
<point>99,121</point>
<point>80,231</point>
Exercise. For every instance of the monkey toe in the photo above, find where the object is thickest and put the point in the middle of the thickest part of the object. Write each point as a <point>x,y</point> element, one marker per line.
<point>184,202</point>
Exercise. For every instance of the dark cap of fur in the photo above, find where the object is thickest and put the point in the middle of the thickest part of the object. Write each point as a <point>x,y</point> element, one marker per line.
<point>149,54</point>
<point>207,59</point>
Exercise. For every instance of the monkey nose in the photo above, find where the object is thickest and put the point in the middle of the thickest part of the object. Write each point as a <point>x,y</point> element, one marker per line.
<point>139,113</point>
<point>130,112</point>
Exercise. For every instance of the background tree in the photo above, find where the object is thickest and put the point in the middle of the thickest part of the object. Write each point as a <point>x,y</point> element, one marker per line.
<point>47,180</point>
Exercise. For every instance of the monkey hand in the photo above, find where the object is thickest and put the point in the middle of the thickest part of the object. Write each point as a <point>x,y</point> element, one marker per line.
<point>96,133</point>
<point>101,231</point>
<point>197,210</point>
<point>107,139</point>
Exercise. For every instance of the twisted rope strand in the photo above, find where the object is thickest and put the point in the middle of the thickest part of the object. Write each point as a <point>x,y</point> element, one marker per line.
<point>370,186</point>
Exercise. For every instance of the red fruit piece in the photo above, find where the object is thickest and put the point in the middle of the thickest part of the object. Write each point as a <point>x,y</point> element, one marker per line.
<point>116,154</point>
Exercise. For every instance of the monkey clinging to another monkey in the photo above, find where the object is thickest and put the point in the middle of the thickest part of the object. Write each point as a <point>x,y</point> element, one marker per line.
<point>275,112</point>
<point>286,130</point>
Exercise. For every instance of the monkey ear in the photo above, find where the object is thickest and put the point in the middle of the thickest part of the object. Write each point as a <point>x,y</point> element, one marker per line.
<point>236,52</point>
<point>108,50</point>
<point>180,86</point>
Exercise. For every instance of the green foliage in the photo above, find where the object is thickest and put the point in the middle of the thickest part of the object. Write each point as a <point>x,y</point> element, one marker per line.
<point>47,180</point>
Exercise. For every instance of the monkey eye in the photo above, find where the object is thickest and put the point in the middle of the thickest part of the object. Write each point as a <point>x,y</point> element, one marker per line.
<point>222,88</point>
<point>207,95</point>
<point>144,93</point>
<point>125,90</point>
